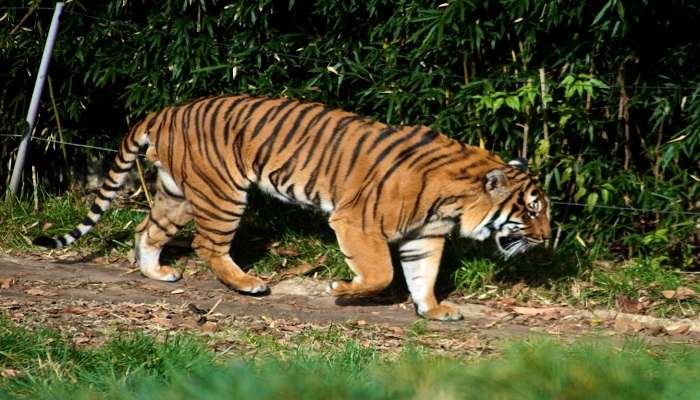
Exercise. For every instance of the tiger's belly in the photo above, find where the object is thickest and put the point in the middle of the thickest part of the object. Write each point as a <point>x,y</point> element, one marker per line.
<point>296,194</point>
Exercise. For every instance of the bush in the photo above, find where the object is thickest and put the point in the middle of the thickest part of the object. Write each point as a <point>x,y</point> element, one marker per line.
<point>616,127</point>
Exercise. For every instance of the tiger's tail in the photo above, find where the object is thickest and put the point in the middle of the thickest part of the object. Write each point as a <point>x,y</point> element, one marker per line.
<point>123,162</point>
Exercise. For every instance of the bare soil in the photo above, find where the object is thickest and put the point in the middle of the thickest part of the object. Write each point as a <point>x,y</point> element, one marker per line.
<point>88,302</point>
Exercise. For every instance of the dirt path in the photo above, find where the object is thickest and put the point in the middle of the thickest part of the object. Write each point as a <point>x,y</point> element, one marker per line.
<point>87,300</point>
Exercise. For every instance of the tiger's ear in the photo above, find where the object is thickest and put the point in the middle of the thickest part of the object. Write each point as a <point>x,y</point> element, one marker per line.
<point>495,180</point>
<point>519,163</point>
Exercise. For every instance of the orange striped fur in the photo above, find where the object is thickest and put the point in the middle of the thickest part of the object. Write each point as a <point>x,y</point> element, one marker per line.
<point>404,185</point>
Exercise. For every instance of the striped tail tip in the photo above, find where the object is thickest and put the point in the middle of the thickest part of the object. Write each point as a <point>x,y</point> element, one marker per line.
<point>45,241</point>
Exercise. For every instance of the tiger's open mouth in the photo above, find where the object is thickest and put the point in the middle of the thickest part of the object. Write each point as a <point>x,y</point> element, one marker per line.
<point>512,244</point>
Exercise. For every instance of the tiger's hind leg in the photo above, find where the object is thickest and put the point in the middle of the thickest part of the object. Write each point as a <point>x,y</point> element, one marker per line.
<point>369,258</point>
<point>216,224</point>
<point>169,213</point>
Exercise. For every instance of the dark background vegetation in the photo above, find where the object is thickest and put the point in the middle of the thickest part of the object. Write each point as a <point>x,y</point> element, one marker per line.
<point>621,107</point>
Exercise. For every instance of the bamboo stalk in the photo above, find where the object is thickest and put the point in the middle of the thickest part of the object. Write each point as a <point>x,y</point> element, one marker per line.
<point>657,164</point>
<point>143,183</point>
<point>623,114</point>
<point>465,69</point>
<point>526,134</point>
<point>543,92</point>
<point>36,190</point>
<point>588,94</point>
<point>58,126</point>
<point>21,22</point>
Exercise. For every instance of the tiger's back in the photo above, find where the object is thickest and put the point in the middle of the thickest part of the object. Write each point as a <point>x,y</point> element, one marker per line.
<point>378,183</point>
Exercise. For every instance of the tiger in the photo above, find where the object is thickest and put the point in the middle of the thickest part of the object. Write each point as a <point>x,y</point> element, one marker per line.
<point>381,186</point>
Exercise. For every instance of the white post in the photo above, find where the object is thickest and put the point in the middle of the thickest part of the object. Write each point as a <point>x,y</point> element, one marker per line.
<point>36,96</point>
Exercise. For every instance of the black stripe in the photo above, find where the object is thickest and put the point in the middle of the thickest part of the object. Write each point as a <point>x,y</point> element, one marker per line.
<point>213,186</point>
<point>262,155</point>
<point>337,134</point>
<point>101,196</point>
<point>204,232</point>
<point>220,232</point>
<point>75,233</point>
<point>393,145</point>
<point>152,121</point>
<point>95,209</point>
<point>314,144</point>
<point>404,155</point>
<point>383,135</point>
<point>110,183</point>
<point>106,186</point>
<point>230,113</point>
<point>156,223</point>
<point>413,256</point>
<point>356,152</point>
<point>88,222</point>
<point>163,118</point>
<point>213,204</point>
<point>289,166</point>
<point>295,126</point>
<point>169,193</point>
<point>120,170</point>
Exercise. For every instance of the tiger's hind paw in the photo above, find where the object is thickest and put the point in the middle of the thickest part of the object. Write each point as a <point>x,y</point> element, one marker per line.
<point>162,273</point>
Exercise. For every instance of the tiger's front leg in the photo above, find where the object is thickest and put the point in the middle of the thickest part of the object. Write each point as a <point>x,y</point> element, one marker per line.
<point>420,260</point>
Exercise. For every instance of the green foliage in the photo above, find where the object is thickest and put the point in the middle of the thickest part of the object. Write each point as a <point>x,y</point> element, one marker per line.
<point>622,98</point>
<point>475,274</point>
<point>182,367</point>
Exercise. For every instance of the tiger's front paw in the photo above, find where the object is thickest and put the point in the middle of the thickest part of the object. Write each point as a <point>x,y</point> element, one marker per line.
<point>444,311</point>
<point>161,273</point>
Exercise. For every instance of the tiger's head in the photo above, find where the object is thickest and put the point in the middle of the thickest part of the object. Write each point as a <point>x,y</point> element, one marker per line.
<point>518,210</point>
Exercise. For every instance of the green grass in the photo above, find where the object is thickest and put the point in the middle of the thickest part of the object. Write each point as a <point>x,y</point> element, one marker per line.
<point>183,367</point>
<point>275,237</point>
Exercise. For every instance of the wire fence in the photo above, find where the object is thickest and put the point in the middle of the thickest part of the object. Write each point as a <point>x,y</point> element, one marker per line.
<point>559,203</point>
<point>669,87</point>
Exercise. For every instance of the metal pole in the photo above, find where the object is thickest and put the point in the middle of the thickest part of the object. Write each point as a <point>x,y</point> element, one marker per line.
<point>36,96</point>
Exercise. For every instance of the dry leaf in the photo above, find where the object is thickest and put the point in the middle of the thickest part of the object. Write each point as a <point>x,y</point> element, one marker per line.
<point>78,340</point>
<point>677,329</point>
<point>10,373</point>
<point>6,283</point>
<point>75,310</point>
<point>209,326</point>
<point>163,322</point>
<point>507,301</point>
<point>517,288</point>
<point>627,305</point>
<point>683,293</point>
<point>285,251</point>
<point>527,310</point>
<point>301,269</point>
<point>40,292</point>
<point>625,325</point>
<point>668,293</point>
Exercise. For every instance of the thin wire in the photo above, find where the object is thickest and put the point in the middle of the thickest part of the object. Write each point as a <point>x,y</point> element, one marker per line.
<point>86,146</point>
<point>627,208</point>
<point>564,203</point>
<point>668,87</point>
